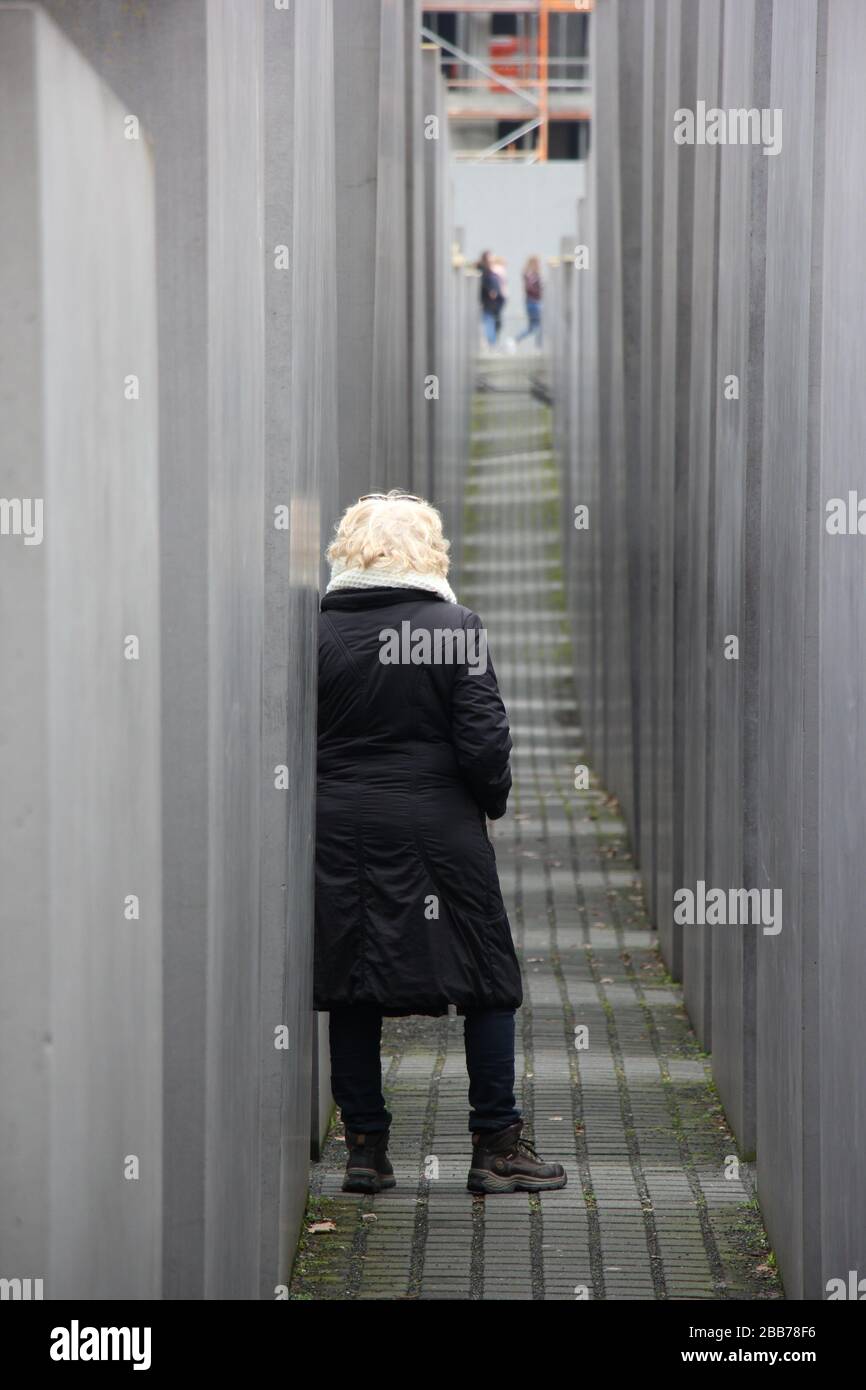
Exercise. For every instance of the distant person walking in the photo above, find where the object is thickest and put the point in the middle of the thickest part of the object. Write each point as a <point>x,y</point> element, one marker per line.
<point>491,295</point>
<point>501,273</point>
<point>532,290</point>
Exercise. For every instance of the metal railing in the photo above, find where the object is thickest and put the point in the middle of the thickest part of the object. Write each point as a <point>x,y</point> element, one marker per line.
<point>528,87</point>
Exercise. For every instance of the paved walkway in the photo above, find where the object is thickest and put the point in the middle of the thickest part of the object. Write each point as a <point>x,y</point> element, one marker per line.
<point>648,1212</point>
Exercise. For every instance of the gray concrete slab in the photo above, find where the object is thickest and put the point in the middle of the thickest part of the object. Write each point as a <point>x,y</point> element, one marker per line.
<point>734,684</point>
<point>842,674</point>
<point>702,650</point>
<point>81,1046</point>
<point>674,377</point>
<point>419,479</point>
<point>357,80</point>
<point>235,1028</point>
<point>437,236</point>
<point>301,476</point>
<point>634,137</point>
<point>615,755</point>
<point>650,356</point>
<point>788,1106</point>
<point>237,596</point>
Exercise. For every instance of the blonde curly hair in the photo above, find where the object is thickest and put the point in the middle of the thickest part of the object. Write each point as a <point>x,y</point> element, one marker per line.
<point>392,530</point>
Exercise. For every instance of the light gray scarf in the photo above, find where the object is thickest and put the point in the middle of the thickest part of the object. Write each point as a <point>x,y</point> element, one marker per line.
<point>378,576</point>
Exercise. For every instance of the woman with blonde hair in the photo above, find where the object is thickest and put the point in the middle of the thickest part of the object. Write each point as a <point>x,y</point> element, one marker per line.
<point>413,755</point>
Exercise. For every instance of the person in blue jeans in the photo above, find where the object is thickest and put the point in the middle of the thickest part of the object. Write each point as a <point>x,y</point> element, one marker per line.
<point>491,298</point>
<point>532,290</point>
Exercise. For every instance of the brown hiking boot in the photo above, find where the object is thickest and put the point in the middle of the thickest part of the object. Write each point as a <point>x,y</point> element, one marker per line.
<point>503,1162</point>
<point>368,1168</point>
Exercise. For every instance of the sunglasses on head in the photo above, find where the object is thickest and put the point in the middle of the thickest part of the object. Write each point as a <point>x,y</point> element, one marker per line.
<point>390,497</point>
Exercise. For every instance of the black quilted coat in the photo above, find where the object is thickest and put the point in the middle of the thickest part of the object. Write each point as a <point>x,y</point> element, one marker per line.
<point>409,913</point>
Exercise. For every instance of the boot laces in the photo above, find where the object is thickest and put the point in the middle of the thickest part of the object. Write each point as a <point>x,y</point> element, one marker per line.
<point>527,1147</point>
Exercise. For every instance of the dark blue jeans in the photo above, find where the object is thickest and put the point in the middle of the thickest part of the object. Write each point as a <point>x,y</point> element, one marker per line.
<point>356,1068</point>
<point>533,314</point>
<point>491,328</point>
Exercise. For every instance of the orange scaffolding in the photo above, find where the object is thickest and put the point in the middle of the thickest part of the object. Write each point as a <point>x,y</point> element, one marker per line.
<point>512,85</point>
